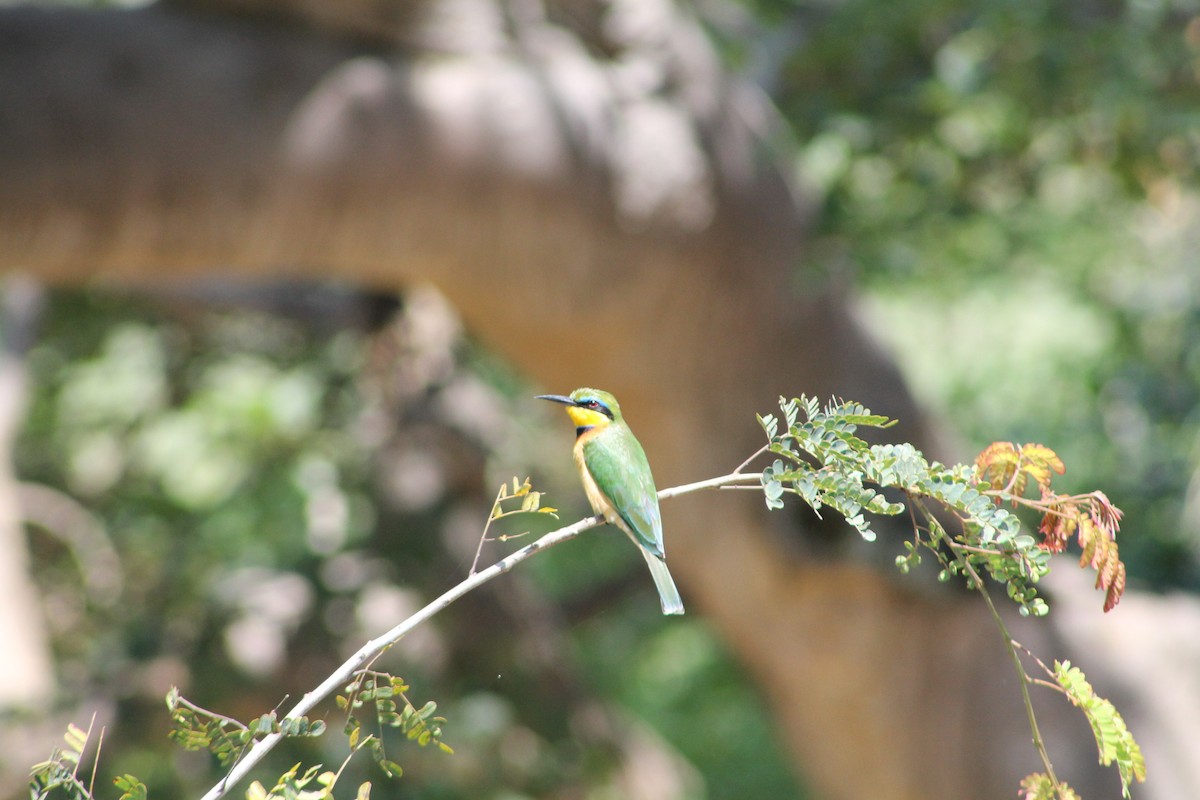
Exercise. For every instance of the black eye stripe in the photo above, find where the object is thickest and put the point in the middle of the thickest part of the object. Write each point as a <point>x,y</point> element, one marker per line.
<point>592,404</point>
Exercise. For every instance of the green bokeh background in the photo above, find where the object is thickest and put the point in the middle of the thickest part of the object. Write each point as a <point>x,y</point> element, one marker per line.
<point>1011,186</point>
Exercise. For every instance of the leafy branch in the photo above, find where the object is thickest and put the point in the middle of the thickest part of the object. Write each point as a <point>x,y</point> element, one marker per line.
<point>381,689</point>
<point>1091,518</point>
<point>958,515</point>
<point>60,772</point>
<point>1113,739</point>
<point>531,502</point>
<point>825,463</point>
<point>197,728</point>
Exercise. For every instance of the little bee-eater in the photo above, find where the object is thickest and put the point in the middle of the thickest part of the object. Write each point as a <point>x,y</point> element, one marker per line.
<point>616,477</point>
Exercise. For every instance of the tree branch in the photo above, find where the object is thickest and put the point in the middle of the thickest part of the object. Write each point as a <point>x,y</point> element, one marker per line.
<point>372,649</point>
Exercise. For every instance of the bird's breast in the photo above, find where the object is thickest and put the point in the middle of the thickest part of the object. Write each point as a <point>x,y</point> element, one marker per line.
<point>599,501</point>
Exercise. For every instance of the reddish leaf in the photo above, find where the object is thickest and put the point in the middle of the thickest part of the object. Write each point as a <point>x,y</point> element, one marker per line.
<point>1107,569</point>
<point>1106,516</point>
<point>1092,544</point>
<point>1101,553</point>
<point>997,464</point>
<point>1058,526</point>
<point>1038,461</point>
<point>1115,589</point>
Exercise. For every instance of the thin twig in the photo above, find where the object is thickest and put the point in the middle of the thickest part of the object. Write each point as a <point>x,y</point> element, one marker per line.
<point>970,548</point>
<point>1032,655</point>
<point>1010,643</point>
<point>483,536</point>
<point>96,760</point>
<point>765,448</point>
<point>1049,685</point>
<point>183,701</point>
<point>87,737</point>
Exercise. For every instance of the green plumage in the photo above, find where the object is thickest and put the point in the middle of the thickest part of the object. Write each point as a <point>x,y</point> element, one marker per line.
<point>618,465</point>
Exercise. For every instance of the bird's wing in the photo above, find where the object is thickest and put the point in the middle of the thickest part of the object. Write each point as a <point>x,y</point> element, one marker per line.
<point>619,467</point>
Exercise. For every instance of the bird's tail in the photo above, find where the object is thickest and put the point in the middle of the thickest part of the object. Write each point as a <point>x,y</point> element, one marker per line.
<point>668,595</point>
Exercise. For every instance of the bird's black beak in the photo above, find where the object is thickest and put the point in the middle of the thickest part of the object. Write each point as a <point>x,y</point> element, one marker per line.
<point>556,398</point>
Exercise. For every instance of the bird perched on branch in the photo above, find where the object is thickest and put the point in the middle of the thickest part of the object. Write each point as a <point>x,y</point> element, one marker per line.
<point>616,477</point>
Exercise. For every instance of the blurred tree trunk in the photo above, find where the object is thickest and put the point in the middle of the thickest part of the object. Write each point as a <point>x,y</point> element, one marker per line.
<point>27,669</point>
<point>604,207</point>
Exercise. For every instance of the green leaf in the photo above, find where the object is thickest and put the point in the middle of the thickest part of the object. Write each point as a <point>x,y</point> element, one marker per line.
<point>791,410</point>
<point>773,492</point>
<point>1113,739</point>
<point>308,775</point>
<point>76,738</point>
<point>131,788</point>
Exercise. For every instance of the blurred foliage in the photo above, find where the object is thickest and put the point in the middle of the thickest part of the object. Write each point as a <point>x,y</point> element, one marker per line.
<point>218,460</point>
<point>1014,184</point>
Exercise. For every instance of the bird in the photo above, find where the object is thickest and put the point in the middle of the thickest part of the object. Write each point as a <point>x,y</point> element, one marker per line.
<point>617,480</point>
